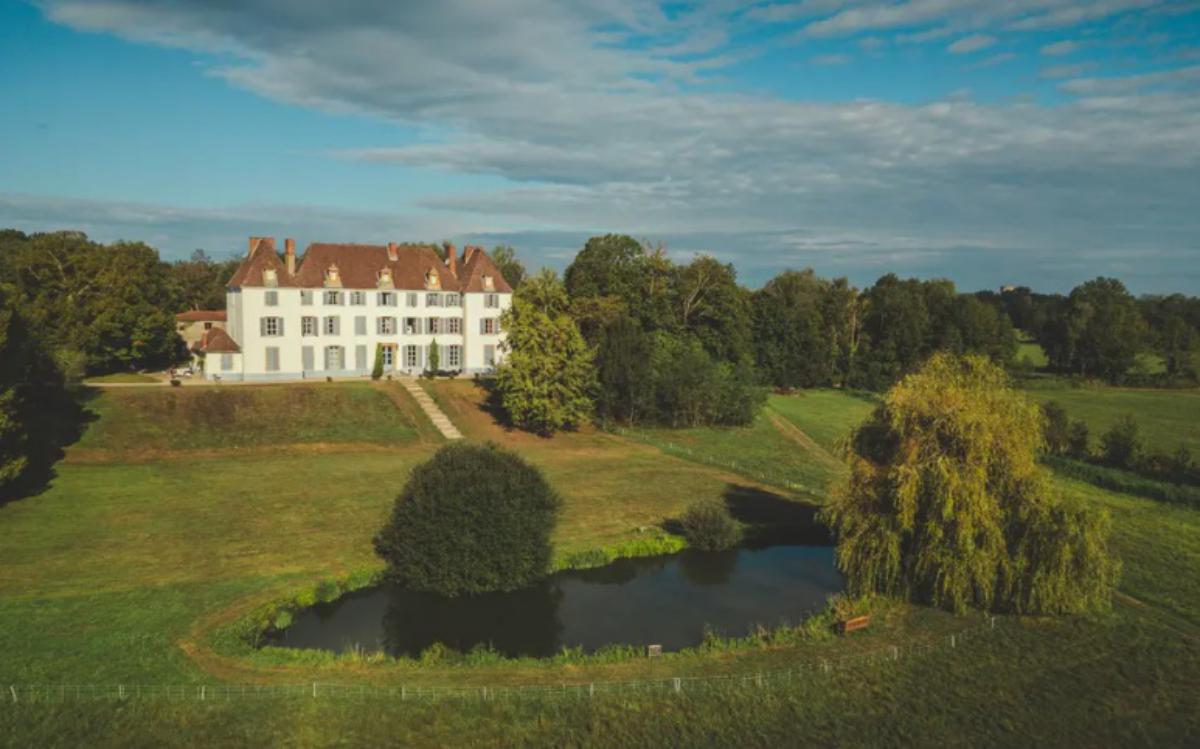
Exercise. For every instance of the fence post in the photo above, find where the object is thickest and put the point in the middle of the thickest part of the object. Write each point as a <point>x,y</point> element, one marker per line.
<point>403,693</point>
<point>951,640</point>
<point>993,622</point>
<point>203,690</point>
<point>678,685</point>
<point>758,680</point>
<point>13,689</point>
<point>314,690</point>
<point>121,691</point>
<point>895,653</point>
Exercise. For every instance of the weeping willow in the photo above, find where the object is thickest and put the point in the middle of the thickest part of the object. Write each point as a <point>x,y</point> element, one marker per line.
<point>946,504</point>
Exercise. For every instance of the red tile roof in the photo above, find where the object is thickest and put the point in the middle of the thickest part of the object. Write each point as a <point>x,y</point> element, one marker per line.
<point>201,315</point>
<point>217,341</point>
<point>359,266</point>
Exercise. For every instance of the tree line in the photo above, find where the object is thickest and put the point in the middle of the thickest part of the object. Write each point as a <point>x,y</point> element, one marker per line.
<point>684,344</point>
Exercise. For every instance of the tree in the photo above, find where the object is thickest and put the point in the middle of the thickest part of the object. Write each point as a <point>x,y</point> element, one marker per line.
<point>472,519</point>
<point>37,413</point>
<point>545,382</point>
<point>1079,440</point>
<point>946,503</point>
<point>435,358</point>
<point>1057,428</point>
<point>713,308</point>
<point>377,370</point>
<point>624,373</point>
<point>793,342</point>
<point>505,258</point>
<point>1121,446</point>
<point>708,525</point>
<point>199,282</point>
<point>1098,334</point>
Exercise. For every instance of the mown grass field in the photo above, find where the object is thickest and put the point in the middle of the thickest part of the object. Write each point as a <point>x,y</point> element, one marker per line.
<point>1166,418</point>
<point>128,567</point>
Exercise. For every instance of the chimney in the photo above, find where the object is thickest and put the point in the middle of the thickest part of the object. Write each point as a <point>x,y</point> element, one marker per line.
<point>289,250</point>
<point>452,259</point>
<point>253,244</point>
<point>393,255</point>
<point>268,243</point>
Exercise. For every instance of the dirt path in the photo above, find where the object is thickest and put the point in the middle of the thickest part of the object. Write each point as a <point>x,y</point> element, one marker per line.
<point>793,433</point>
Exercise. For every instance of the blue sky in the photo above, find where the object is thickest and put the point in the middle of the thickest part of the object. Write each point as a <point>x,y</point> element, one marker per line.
<point>1041,142</point>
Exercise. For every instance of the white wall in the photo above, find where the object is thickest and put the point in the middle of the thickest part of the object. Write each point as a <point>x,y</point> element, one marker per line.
<point>251,308</point>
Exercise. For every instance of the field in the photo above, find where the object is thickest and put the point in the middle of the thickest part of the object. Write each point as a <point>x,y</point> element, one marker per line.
<point>152,540</point>
<point>1166,418</point>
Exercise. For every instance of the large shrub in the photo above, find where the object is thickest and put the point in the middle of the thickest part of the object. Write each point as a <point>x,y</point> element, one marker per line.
<point>946,503</point>
<point>1121,446</point>
<point>708,525</point>
<point>471,519</point>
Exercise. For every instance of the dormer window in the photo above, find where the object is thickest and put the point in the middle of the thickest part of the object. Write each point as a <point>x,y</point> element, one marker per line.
<point>270,278</point>
<point>385,279</point>
<point>332,276</point>
<point>488,283</point>
<point>432,281</point>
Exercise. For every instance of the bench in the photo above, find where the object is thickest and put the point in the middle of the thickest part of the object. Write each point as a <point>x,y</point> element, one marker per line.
<point>855,624</point>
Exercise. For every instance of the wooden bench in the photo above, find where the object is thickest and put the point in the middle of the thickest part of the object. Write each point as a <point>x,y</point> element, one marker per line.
<point>855,624</point>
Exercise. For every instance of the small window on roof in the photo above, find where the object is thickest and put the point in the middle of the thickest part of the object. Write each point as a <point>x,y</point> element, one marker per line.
<point>269,277</point>
<point>332,276</point>
<point>432,281</point>
<point>489,283</point>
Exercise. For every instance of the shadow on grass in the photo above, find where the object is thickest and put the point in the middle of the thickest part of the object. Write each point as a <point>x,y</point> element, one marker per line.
<point>769,518</point>
<point>61,418</point>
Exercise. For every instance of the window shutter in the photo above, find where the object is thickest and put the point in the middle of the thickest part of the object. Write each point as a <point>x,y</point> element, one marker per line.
<point>281,326</point>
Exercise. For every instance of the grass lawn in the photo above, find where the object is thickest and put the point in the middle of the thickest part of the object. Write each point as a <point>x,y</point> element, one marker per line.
<point>1167,418</point>
<point>125,570</point>
<point>122,377</point>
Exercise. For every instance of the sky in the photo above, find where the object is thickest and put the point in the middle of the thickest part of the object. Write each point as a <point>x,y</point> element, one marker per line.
<point>1032,142</point>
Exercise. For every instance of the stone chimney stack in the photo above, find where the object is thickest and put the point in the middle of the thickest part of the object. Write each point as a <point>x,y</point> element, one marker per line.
<point>452,259</point>
<point>253,243</point>
<point>289,252</point>
<point>393,254</point>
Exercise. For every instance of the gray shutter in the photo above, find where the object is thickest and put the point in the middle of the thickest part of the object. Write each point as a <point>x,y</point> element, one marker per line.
<point>360,357</point>
<point>306,354</point>
<point>281,326</point>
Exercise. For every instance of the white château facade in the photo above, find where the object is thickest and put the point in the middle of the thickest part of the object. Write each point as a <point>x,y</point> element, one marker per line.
<point>327,313</point>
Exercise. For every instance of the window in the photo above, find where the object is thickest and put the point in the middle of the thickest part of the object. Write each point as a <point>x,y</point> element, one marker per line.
<point>360,325</point>
<point>226,362</point>
<point>333,325</point>
<point>433,325</point>
<point>333,297</point>
<point>208,326</point>
<point>335,358</point>
<point>307,360</point>
<point>411,357</point>
<point>358,298</point>
<point>488,326</point>
<point>272,359</point>
<point>454,357</point>
<point>453,300</point>
<point>491,300</point>
<point>272,298</point>
<point>306,297</point>
<point>386,325</point>
<point>433,300</point>
<point>271,326</point>
<point>411,301</point>
<point>387,299</point>
<point>308,326</point>
<point>360,357</point>
<point>388,354</point>
<point>454,325</point>
<point>412,325</point>
<point>489,355</point>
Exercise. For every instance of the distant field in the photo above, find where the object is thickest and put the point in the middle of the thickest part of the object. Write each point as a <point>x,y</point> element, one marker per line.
<point>186,418</point>
<point>1167,418</point>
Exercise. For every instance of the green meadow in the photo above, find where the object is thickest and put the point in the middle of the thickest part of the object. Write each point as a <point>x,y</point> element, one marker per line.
<point>164,528</point>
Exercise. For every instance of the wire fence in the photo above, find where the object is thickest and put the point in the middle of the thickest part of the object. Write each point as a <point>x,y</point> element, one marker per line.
<point>809,672</point>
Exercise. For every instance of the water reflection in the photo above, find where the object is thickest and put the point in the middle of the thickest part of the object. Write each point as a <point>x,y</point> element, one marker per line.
<point>668,600</point>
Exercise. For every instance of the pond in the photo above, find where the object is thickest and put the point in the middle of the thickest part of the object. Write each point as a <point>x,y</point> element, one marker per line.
<point>668,600</point>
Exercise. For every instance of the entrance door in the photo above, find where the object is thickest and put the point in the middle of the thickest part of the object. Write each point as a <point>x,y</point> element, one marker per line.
<point>389,357</point>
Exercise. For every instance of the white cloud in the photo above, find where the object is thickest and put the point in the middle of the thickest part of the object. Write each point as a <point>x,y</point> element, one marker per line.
<point>595,133</point>
<point>1065,71</point>
<point>832,60</point>
<point>1057,49</point>
<point>992,61</point>
<point>1178,77</point>
<point>972,43</point>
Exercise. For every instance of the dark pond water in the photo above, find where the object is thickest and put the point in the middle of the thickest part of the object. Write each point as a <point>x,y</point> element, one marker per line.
<point>667,600</point>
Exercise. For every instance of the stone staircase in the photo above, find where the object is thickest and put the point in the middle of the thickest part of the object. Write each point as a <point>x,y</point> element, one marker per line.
<point>435,414</point>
